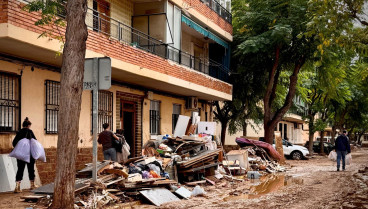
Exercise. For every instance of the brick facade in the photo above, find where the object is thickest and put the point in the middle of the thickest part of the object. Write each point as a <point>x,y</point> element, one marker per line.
<point>113,48</point>
<point>4,10</point>
<point>209,13</point>
<point>46,171</point>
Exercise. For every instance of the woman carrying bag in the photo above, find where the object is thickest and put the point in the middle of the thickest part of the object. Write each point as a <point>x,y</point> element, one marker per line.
<point>27,133</point>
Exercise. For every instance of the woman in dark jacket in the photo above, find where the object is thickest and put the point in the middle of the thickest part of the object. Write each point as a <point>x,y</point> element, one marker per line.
<point>25,132</point>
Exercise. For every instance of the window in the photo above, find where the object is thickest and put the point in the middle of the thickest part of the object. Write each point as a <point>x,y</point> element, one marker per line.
<point>175,115</point>
<point>9,102</point>
<point>52,106</point>
<point>155,118</point>
<point>105,110</point>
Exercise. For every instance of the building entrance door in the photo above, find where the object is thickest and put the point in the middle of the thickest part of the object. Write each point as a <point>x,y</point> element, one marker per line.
<point>127,122</point>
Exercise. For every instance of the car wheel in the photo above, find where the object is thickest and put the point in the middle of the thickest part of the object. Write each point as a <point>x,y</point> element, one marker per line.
<point>296,155</point>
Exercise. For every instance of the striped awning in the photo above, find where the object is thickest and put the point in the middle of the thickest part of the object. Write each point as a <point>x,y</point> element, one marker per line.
<point>203,31</point>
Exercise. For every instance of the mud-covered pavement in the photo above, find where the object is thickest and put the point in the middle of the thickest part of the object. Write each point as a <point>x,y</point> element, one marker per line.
<point>312,183</point>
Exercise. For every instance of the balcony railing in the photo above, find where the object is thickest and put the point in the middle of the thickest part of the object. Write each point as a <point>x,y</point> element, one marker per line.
<point>124,33</point>
<point>220,10</point>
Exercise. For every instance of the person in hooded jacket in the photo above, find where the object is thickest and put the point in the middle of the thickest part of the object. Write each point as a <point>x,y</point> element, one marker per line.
<point>25,132</point>
<point>342,147</point>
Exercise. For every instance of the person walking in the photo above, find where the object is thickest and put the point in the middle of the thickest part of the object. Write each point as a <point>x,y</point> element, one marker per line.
<point>107,139</point>
<point>25,132</point>
<point>342,147</point>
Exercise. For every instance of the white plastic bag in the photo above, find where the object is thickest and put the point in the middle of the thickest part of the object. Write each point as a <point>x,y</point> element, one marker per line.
<point>332,156</point>
<point>37,150</point>
<point>348,159</point>
<point>22,151</point>
<point>198,191</point>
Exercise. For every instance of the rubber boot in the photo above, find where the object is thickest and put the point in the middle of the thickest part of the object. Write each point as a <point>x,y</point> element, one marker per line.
<point>33,185</point>
<point>17,187</point>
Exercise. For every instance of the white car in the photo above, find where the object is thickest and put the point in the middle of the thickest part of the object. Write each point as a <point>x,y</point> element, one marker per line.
<point>296,152</point>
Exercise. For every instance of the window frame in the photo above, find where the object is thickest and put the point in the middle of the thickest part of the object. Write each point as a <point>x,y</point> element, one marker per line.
<point>155,115</point>
<point>51,107</point>
<point>16,102</point>
<point>175,116</point>
<point>103,108</point>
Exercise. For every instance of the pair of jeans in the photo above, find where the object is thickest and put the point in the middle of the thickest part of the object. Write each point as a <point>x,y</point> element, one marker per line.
<point>31,171</point>
<point>341,156</point>
<point>110,154</point>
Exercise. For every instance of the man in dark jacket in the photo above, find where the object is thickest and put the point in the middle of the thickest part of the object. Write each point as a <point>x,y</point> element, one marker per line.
<point>107,139</point>
<point>342,147</point>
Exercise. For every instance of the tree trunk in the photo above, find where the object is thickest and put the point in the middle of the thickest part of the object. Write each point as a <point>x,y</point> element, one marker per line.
<point>269,133</point>
<point>71,87</point>
<point>223,132</point>
<point>310,145</point>
<point>271,119</point>
<point>321,143</point>
<point>333,134</point>
<point>245,125</point>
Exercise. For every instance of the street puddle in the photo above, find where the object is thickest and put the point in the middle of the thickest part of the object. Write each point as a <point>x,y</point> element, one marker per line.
<point>266,184</point>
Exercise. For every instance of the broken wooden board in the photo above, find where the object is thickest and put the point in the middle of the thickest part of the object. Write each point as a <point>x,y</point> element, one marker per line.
<point>113,181</point>
<point>159,196</point>
<point>117,172</point>
<point>195,183</point>
<point>33,198</point>
<point>164,182</point>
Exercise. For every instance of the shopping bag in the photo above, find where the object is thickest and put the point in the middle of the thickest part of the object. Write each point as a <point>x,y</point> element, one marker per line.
<point>332,156</point>
<point>22,151</point>
<point>37,150</point>
<point>348,159</point>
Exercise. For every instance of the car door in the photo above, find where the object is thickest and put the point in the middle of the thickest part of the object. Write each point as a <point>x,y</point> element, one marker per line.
<point>288,148</point>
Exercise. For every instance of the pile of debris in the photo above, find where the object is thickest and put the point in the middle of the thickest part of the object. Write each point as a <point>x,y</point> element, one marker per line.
<point>261,156</point>
<point>166,165</point>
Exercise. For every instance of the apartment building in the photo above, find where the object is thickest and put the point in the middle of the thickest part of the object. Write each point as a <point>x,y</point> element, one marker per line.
<point>292,126</point>
<point>169,57</point>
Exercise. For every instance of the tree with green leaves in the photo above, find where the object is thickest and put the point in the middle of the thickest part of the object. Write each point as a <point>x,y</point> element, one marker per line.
<point>272,36</point>
<point>71,88</point>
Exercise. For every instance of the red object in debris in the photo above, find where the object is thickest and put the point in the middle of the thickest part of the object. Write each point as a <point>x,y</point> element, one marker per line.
<point>242,142</point>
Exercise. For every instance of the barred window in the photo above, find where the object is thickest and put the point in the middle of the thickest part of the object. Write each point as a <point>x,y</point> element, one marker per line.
<point>52,106</point>
<point>9,102</point>
<point>175,115</point>
<point>105,109</point>
<point>155,118</point>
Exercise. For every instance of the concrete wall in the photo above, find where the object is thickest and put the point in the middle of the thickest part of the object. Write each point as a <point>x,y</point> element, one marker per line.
<point>296,136</point>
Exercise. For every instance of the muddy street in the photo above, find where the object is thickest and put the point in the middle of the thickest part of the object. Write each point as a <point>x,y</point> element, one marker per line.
<point>312,183</point>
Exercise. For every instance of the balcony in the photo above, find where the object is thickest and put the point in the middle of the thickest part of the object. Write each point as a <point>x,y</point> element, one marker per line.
<point>220,10</point>
<point>135,38</point>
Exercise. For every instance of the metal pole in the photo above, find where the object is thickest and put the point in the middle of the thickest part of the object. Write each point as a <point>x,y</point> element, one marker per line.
<point>95,117</point>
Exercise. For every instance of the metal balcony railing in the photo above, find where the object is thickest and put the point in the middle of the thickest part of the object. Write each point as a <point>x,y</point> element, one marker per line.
<point>129,35</point>
<point>219,9</point>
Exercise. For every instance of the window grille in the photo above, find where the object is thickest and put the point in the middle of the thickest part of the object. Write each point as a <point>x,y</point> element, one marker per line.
<point>155,118</point>
<point>105,110</point>
<point>175,115</point>
<point>52,106</point>
<point>9,102</point>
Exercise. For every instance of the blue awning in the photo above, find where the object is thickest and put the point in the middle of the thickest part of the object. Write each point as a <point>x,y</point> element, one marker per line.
<point>203,31</point>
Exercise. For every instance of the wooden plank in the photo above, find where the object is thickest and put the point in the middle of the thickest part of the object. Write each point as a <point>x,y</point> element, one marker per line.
<point>164,182</point>
<point>195,183</point>
<point>32,197</point>
<point>114,181</point>
<point>106,177</point>
<point>117,172</point>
